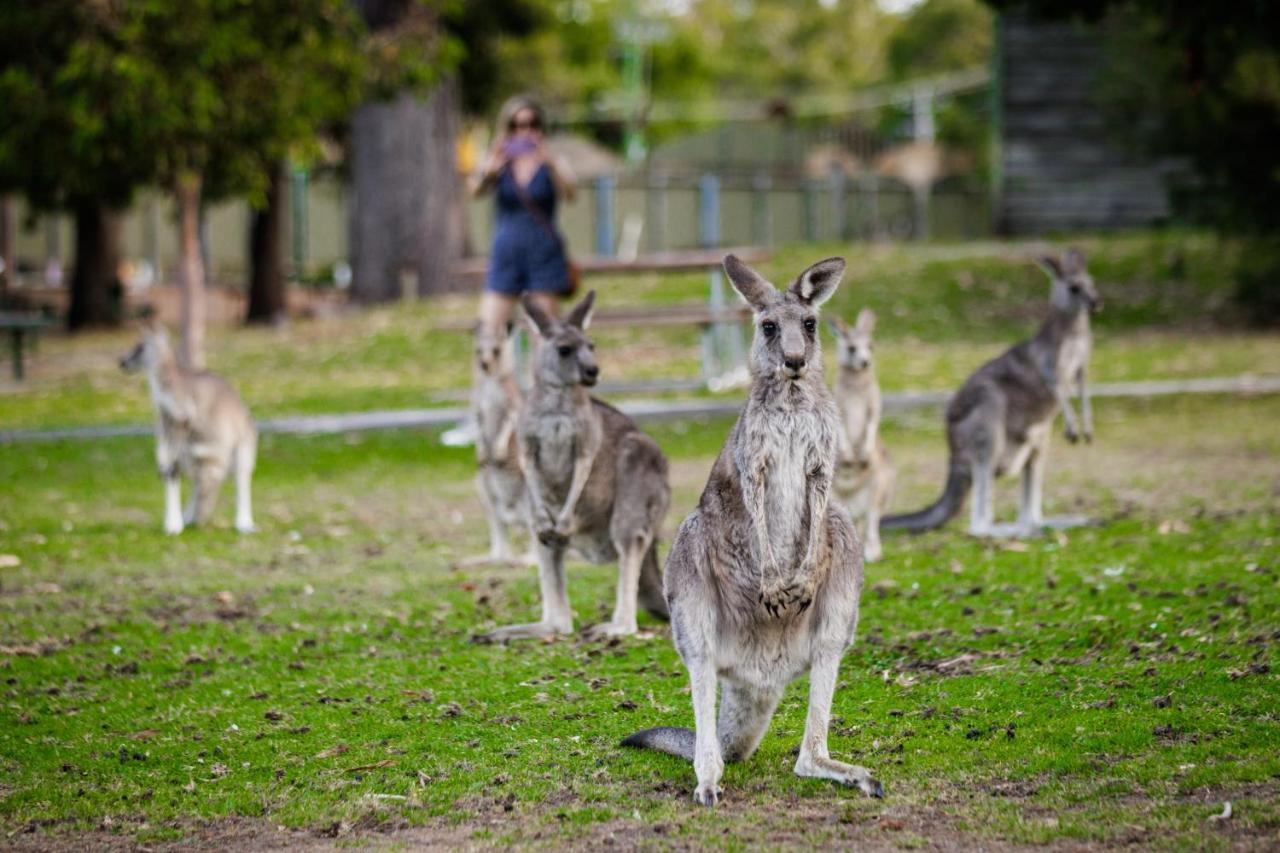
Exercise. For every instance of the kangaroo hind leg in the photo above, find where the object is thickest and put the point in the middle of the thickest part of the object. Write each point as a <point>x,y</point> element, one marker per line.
<point>245,459</point>
<point>815,761</point>
<point>745,713</point>
<point>557,618</point>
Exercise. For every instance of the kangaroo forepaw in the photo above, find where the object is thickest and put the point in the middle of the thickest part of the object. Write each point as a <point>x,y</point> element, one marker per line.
<point>782,598</point>
<point>551,537</point>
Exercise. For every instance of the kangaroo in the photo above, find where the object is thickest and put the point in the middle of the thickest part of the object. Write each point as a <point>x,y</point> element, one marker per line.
<point>864,473</point>
<point>495,408</point>
<point>764,576</point>
<point>203,430</point>
<point>1000,420</point>
<point>595,481</point>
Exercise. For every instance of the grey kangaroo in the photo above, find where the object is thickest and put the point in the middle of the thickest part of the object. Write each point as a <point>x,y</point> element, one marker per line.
<point>764,576</point>
<point>1000,420</point>
<point>203,430</point>
<point>495,406</point>
<point>864,473</point>
<point>595,482</point>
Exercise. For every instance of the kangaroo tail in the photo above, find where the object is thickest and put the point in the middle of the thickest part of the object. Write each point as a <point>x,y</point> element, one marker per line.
<point>650,594</point>
<point>940,511</point>
<point>668,739</point>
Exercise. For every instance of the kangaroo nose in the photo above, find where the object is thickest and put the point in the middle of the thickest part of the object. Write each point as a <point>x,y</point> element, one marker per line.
<point>793,363</point>
<point>591,372</point>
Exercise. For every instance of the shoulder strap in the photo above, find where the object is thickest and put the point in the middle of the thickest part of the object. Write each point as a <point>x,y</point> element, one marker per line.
<point>532,206</point>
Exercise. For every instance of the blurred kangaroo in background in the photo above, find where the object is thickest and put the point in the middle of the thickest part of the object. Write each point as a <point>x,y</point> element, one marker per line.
<point>1000,420</point>
<point>203,430</point>
<point>764,577</point>
<point>495,407</point>
<point>864,473</point>
<point>595,482</point>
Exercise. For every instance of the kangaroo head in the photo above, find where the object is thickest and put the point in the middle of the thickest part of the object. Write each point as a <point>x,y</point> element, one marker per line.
<point>856,346</point>
<point>1073,288</point>
<point>786,344</point>
<point>565,355</point>
<point>151,350</point>
<point>494,350</point>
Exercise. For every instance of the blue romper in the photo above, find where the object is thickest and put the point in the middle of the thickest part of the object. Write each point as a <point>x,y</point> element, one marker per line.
<point>526,256</point>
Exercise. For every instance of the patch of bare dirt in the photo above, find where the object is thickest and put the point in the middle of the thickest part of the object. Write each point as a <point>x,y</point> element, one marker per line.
<point>747,820</point>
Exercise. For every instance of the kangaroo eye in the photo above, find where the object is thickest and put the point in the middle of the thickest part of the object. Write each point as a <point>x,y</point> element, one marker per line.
<point>1075,288</point>
<point>769,328</point>
<point>565,351</point>
<point>811,325</point>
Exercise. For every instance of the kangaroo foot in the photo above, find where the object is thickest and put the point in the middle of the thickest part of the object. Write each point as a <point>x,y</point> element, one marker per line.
<point>1064,522</point>
<point>611,629</point>
<point>846,774</point>
<point>707,795</point>
<point>532,630</point>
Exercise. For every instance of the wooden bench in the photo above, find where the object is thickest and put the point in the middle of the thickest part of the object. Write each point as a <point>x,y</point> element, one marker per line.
<point>22,328</point>
<point>723,349</point>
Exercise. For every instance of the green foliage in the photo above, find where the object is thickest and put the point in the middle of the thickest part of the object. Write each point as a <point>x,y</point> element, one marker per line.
<point>68,126</point>
<point>939,36</point>
<point>1199,81</point>
<point>99,98</point>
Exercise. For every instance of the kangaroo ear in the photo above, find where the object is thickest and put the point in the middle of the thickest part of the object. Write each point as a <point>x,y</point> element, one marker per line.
<point>542,321</point>
<point>1050,265</point>
<point>866,321</point>
<point>838,327</point>
<point>1073,261</point>
<point>816,284</point>
<point>753,288</point>
<point>580,316</point>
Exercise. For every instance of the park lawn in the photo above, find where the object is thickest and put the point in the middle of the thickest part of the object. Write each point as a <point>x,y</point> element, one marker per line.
<point>317,679</point>
<point>944,309</point>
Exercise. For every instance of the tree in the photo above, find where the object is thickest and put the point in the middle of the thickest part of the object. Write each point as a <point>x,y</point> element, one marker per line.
<point>223,90</point>
<point>1200,81</point>
<point>406,231</point>
<point>67,138</point>
<point>206,97</point>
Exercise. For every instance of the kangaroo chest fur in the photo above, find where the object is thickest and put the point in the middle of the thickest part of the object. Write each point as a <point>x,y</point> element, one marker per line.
<point>495,407</point>
<point>791,442</point>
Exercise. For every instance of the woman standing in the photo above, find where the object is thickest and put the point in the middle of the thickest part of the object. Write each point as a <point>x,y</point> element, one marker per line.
<point>528,253</point>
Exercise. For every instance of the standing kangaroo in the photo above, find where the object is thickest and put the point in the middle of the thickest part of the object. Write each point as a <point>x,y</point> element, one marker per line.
<point>203,430</point>
<point>1000,420</point>
<point>495,407</point>
<point>864,473</point>
<point>595,482</point>
<point>764,576</point>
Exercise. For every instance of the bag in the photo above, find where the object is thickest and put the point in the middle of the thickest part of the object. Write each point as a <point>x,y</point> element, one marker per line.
<point>573,272</point>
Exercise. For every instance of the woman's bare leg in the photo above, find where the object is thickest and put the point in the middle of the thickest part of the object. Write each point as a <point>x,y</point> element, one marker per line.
<point>496,310</point>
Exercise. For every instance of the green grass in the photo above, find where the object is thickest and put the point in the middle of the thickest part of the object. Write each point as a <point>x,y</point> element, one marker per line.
<point>319,675</point>
<point>943,308</point>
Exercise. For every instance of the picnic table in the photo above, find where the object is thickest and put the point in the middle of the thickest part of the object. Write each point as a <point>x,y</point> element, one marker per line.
<point>21,328</point>
<point>723,349</point>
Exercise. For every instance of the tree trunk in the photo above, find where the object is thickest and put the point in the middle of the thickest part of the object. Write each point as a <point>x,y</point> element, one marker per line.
<point>186,192</point>
<point>405,232</point>
<point>267,296</point>
<point>96,293</point>
<point>8,247</point>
